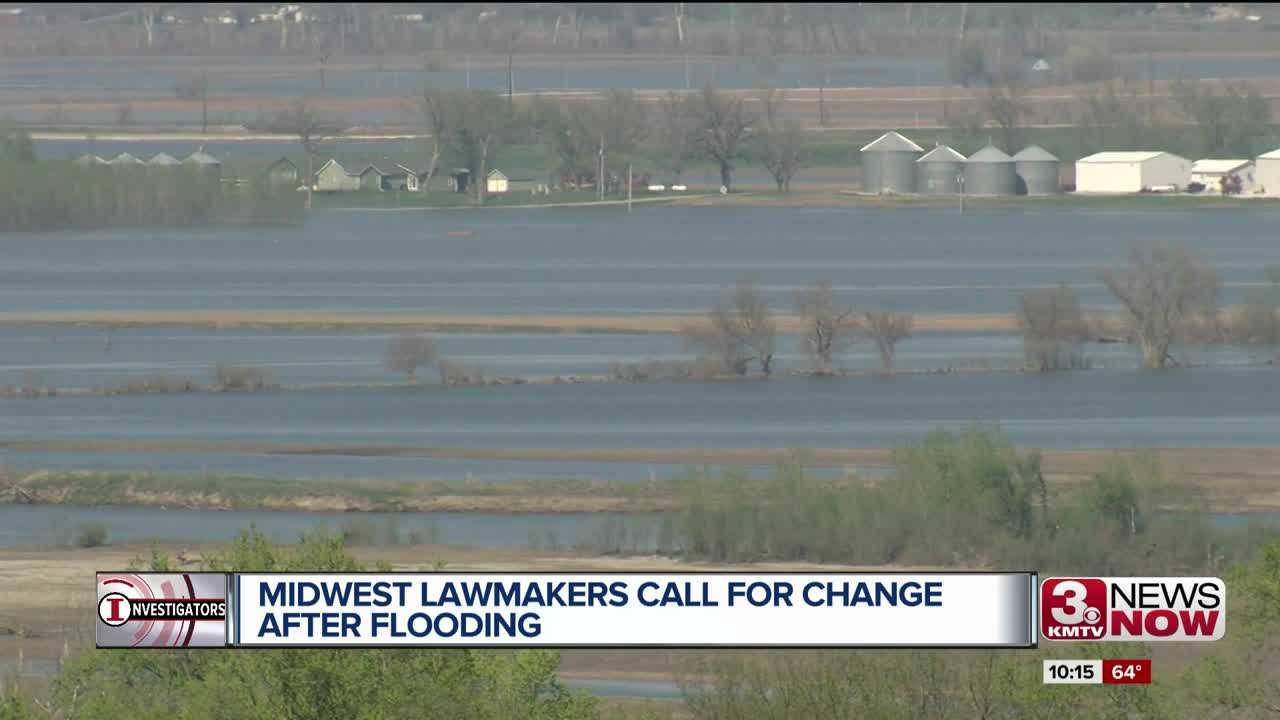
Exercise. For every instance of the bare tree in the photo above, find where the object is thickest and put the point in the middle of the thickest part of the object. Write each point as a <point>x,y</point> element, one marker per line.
<point>886,328</point>
<point>1005,100</point>
<point>828,325</point>
<point>1053,328</point>
<point>677,133</point>
<point>780,144</point>
<point>1162,287</point>
<point>725,125</point>
<point>483,126</point>
<point>436,109</point>
<point>406,353</point>
<point>738,331</point>
<point>303,120</point>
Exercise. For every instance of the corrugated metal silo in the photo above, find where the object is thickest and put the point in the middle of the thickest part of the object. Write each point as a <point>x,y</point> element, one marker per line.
<point>989,172</point>
<point>939,171</point>
<point>1037,171</point>
<point>889,164</point>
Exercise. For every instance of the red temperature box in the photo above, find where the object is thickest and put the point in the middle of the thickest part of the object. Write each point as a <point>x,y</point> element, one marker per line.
<point>1126,672</point>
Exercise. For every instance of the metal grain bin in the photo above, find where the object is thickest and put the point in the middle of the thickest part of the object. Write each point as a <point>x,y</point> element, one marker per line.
<point>939,171</point>
<point>889,164</point>
<point>989,172</point>
<point>1037,172</point>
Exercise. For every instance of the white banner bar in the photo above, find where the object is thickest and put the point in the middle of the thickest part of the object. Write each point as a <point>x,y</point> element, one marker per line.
<point>449,609</point>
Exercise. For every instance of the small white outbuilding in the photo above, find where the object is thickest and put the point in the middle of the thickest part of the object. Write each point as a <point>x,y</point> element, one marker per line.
<point>1210,173</point>
<point>1266,173</point>
<point>1131,172</point>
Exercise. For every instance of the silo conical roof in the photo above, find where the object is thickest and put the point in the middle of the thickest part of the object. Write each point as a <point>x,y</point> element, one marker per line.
<point>942,153</point>
<point>1035,153</point>
<point>892,141</point>
<point>990,154</point>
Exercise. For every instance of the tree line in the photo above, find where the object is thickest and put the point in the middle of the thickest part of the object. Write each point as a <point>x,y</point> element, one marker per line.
<point>1167,294</point>
<point>595,140</point>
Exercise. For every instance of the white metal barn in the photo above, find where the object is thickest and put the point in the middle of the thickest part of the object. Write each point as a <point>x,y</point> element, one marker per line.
<point>1267,173</point>
<point>1211,172</point>
<point>1131,172</point>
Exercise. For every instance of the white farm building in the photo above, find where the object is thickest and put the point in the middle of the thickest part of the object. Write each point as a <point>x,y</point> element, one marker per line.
<point>1267,173</point>
<point>1210,173</point>
<point>1131,172</point>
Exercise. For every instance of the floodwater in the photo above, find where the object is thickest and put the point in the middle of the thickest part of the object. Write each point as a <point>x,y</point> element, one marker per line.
<point>42,525</point>
<point>605,261</point>
<point>79,357</point>
<point>1102,408</point>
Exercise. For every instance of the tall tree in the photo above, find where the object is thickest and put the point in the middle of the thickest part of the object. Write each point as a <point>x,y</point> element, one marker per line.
<point>436,110</point>
<point>725,126</point>
<point>482,128</point>
<point>312,127</point>
<point>1162,288</point>
<point>780,143</point>
<point>677,133</point>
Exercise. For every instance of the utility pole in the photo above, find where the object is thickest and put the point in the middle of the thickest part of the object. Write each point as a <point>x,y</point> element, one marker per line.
<point>511,75</point>
<point>629,186</point>
<point>468,63</point>
<point>600,172</point>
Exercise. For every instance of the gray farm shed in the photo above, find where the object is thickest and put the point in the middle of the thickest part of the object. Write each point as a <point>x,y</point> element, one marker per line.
<point>889,164</point>
<point>1037,171</point>
<point>989,172</point>
<point>939,171</point>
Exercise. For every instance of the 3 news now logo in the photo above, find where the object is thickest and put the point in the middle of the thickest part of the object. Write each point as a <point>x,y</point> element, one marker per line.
<point>1133,609</point>
<point>162,610</point>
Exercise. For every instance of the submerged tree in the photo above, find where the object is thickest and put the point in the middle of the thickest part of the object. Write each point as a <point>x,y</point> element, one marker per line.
<point>1162,288</point>
<point>406,353</point>
<point>828,326</point>
<point>886,328</point>
<point>1053,328</point>
<point>739,331</point>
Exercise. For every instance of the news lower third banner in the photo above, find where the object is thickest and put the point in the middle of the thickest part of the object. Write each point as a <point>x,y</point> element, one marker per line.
<point>587,609</point>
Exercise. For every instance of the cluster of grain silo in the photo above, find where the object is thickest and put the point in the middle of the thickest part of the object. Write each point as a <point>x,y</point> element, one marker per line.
<point>200,160</point>
<point>894,164</point>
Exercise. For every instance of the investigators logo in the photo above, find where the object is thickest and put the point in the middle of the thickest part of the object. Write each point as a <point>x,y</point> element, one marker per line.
<point>162,610</point>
